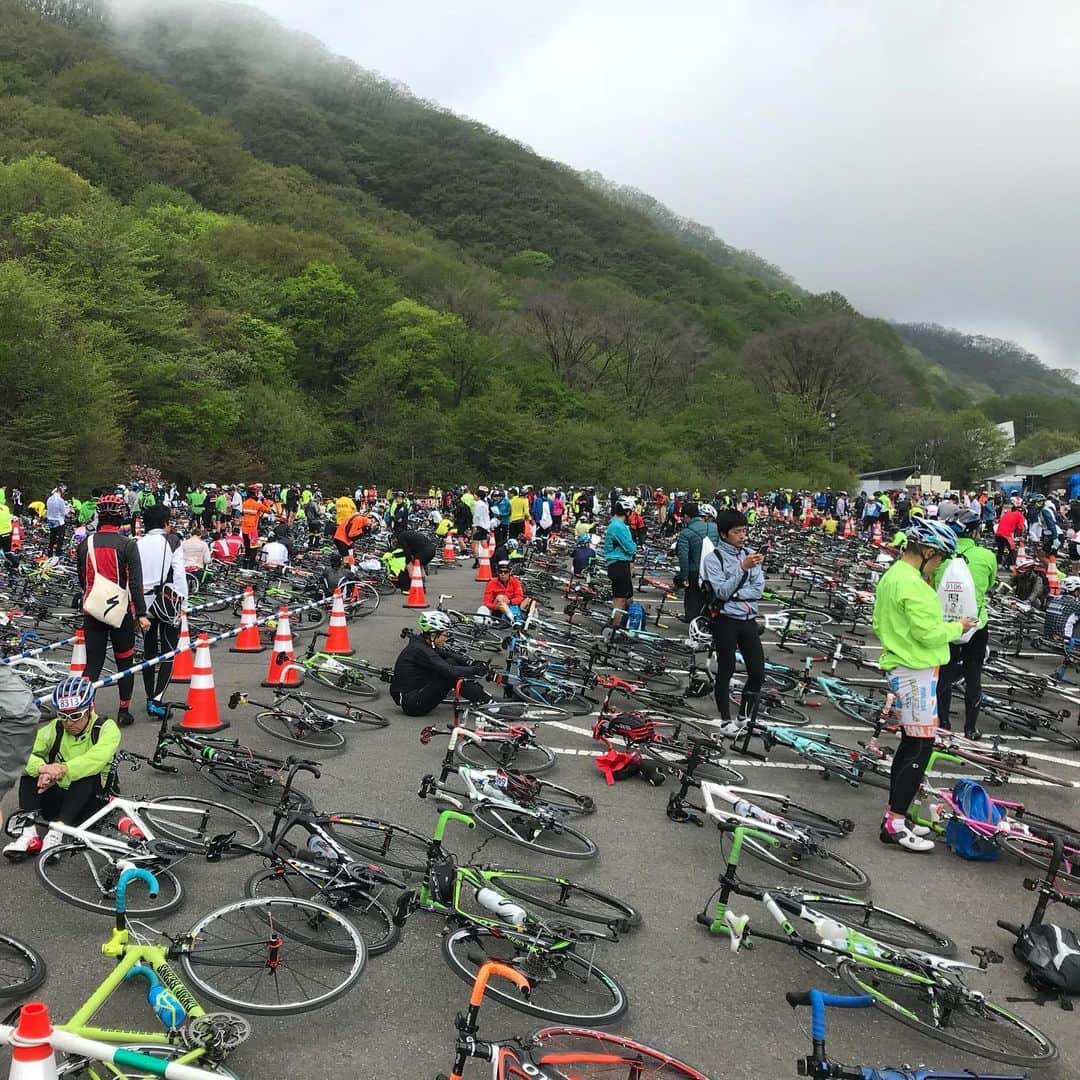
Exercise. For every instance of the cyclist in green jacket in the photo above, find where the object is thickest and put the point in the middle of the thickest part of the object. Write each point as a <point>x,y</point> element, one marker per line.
<point>699,525</point>
<point>915,643</point>
<point>966,658</point>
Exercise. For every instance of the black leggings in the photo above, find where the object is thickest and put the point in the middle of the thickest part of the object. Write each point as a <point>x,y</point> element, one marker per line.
<point>421,702</point>
<point>965,660</point>
<point>693,598</point>
<point>908,769</point>
<point>743,635</point>
<point>56,540</point>
<point>98,635</point>
<point>160,638</point>
<point>72,805</point>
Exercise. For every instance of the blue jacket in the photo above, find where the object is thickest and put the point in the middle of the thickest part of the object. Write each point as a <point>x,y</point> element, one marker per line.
<point>619,545</point>
<point>502,508</point>
<point>737,590</point>
<point>688,546</point>
<point>538,508</point>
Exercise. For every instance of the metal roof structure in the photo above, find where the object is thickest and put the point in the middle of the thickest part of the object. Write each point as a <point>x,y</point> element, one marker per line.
<point>1061,464</point>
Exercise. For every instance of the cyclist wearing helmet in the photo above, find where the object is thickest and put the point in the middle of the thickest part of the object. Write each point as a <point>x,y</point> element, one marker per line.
<point>700,523</point>
<point>915,637</point>
<point>619,551</point>
<point>64,777</point>
<point>966,658</point>
<point>116,557</point>
<point>426,670</point>
<point>1062,615</point>
<point>737,581</point>
<point>1011,524</point>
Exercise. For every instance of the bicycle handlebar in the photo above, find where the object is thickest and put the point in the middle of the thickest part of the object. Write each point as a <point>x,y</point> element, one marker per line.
<point>134,873</point>
<point>492,968</point>
<point>818,1001</point>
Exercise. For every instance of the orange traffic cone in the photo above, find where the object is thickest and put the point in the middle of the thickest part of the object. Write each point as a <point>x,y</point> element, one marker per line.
<point>849,528</point>
<point>202,714</point>
<point>248,639</point>
<point>1052,575</point>
<point>32,1055</point>
<point>484,551</point>
<point>283,669</point>
<point>877,534</point>
<point>78,654</point>
<point>16,534</point>
<point>449,555</point>
<point>183,665</point>
<point>417,597</point>
<point>337,640</point>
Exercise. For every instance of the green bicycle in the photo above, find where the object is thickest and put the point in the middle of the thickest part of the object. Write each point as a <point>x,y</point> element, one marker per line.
<point>554,951</point>
<point>271,955</point>
<point>345,674</point>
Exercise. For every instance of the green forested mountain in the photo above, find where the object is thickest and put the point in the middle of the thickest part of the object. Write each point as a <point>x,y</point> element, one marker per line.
<point>226,252</point>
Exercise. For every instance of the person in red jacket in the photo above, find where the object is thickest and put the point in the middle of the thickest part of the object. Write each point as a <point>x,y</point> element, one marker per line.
<point>504,595</point>
<point>1011,524</point>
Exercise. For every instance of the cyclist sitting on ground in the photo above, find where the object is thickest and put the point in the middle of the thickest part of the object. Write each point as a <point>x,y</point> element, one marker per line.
<point>336,576</point>
<point>64,777</point>
<point>915,640</point>
<point>1063,613</point>
<point>504,595</point>
<point>426,670</point>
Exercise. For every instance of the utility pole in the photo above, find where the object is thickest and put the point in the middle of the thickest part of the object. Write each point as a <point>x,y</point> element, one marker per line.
<point>832,438</point>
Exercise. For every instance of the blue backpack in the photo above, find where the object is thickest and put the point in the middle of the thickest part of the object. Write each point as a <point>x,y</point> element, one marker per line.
<point>635,616</point>
<point>975,802</point>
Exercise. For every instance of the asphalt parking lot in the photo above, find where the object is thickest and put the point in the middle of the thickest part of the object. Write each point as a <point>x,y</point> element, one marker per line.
<point>688,993</point>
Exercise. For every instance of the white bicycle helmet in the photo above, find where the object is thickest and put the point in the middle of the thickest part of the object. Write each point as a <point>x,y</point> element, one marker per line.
<point>707,510</point>
<point>625,503</point>
<point>1070,584</point>
<point>699,635</point>
<point>934,535</point>
<point>433,622</point>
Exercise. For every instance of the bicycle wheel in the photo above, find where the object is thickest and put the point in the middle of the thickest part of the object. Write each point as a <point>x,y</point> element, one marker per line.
<point>274,955</point>
<point>1032,726</point>
<point>22,968</point>
<point>300,728</point>
<point>561,798</point>
<point>809,862</point>
<point>949,1012</point>
<point>311,618</point>
<point>191,823</point>
<point>361,599</point>
<point>597,1055</point>
<point>262,785</point>
<point>88,879</point>
<point>568,898</point>
<point>565,986</point>
<point>849,766</point>
<point>541,693</point>
<point>673,758</point>
<point>780,681</point>
<point>799,815</point>
<point>1036,852</point>
<point>360,906</point>
<point>543,833</point>
<point>529,758</point>
<point>379,841</point>
<point>863,712</point>
<point>344,682</point>
<point>526,711</point>
<point>888,927</point>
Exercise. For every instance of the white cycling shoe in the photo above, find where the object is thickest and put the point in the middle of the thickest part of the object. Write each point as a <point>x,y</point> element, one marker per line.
<point>895,831</point>
<point>26,844</point>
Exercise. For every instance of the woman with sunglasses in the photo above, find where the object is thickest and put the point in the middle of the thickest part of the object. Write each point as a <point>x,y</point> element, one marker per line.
<point>64,778</point>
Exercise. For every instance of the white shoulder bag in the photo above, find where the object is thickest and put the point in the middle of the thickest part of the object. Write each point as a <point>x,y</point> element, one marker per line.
<point>106,601</point>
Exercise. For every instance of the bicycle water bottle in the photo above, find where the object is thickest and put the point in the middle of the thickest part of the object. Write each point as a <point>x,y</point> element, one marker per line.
<point>208,753</point>
<point>164,1003</point>
<point>748,810</point>
<point>497,904</point>
<point>831,933</point>
<point>129,828</point>
<point>320,848</point>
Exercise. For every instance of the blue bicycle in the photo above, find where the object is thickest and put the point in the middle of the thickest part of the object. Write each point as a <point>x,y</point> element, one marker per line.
<point>817,1065</point>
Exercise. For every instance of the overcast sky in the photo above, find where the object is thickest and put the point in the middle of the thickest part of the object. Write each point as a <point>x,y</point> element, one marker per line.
<point>921,157</point>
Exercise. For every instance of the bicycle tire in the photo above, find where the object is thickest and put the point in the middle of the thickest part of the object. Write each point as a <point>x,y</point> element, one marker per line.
<point>546,834</point>
<point>770,707</point>
<point>832,761</point>
<point>345,683</point>
<point>382,842</point>
<point>192,834</point>
<point>86,879</point>
<point>1047,730</point>
<point>361,606</point>
<point>531,758</point>
<point>673,758</point>
<point>888,927</point>
<point>780,681</point>
<point>364,910</point>
<point>522,712</point>
<point>596,997</point>
<point>1031,1046</point>
<point>22,968</point>
<point>263,786</point>
<point>567,898</point>
<point>298,728</point>
<point>862,712</point>
<point>558,1046</point>
<point>539,693</point>
<point>1037,853</point>
<point>797,813</point>
<point>224,941</point>
<point>820,865</point>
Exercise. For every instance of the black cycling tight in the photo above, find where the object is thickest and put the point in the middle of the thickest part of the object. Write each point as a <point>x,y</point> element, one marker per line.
<point>908,769</point>
<point>98,635</point>
<point>160,638</point>
<point>729,636</point>
<point>421,702</point>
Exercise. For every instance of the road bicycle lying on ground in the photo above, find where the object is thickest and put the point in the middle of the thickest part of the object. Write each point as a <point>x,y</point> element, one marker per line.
<point>554,1053</point>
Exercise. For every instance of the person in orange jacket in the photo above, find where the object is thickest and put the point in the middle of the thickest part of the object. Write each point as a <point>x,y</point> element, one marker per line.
<point>349,531</point>
<point>251,511</point>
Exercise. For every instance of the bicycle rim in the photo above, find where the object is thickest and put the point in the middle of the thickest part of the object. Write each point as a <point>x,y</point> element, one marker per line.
<point>191,822</point>
<point>883,925</point>
<point>565,986</point>
<point>558,1046</point>
<point>543,694</point>
<point>275,955</point>
<point>530,712</point>
<point>532,759</point>
<point>298,729</point>
<point>21,968</point>
<point>255,785</point>
<point>382,842</point>
<point>953,1015</point>
<point>532,831</point>
<point>363,909</point>
<point>344,683</point>
<point>568,898</point>
<point>87,879</point>
<point>817,864</point>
